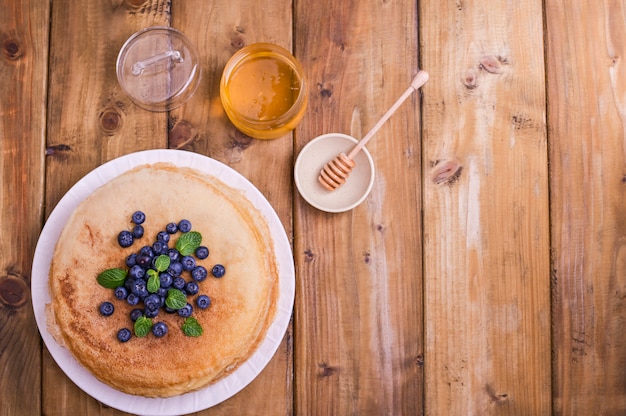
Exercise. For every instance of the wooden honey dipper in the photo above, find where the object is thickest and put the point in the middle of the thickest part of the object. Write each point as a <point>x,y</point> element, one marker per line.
<point>335,172</point>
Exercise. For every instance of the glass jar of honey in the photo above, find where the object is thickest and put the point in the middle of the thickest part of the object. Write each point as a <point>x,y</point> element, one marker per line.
<point>263,91</point>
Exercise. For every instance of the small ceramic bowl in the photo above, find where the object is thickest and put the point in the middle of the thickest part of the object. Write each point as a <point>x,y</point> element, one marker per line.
<point>312,159</point>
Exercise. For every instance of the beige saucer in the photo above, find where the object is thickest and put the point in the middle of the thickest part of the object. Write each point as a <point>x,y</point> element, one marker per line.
<point>311,161</point>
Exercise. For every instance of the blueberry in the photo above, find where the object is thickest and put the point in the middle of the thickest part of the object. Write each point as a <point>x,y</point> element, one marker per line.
<point>137,231</point>
<point>191,288</point>
<point>136,272</point>
<point>121,293</point>
<point>165,279</point>
<point>132,299</point>
<point>125,238</point>
<point>171,228</point>
<point>159,329</point>
<point>175,269</point>
<point>135,314</point>
<point>184,226</point>
<point>188,263</point>
<point>199,273</point>
<point>139,288</point>
<point>146,250</point>
<point>123,335</point>
<point>167,309</point>
<point>203,302</point>
<point>106,308</point>
<point>144,261</point>
<point>186,311</point>
<point>160,247</point>
<point>131,260</point>
<point>151,313</point>
<point>174,254</point>
<point>162,292</point>
<point>202,252</point>
<point>138,217</point>
<point>179,283</point>
<point>218,270</point>
<point>152,302</point>
<point>163,236</point>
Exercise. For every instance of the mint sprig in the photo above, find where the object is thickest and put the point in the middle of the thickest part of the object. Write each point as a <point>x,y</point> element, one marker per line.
<point>162,263</point>
<point>154,283</point>
<point>143,326</point>
<point>112,278</point>
<point>192,328</point>
<point>188,243</point>
<point>175,299</point>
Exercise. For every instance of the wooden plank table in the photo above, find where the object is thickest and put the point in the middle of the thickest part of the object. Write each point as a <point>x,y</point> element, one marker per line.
<point>484,274</point>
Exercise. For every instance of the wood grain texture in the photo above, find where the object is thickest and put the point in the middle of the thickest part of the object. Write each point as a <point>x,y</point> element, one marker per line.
<point>486,250</point>
<point>358,321</point>
<point>23,68</point>
<point>484,274</point>
<point>218,29</point>
<point>587,115</point>
<point>91,121</point>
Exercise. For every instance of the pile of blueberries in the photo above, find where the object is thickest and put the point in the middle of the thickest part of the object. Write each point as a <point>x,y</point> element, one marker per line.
<point>135,288</point>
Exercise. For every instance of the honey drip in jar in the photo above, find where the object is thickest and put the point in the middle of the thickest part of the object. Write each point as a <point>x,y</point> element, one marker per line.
<point>263,89</point>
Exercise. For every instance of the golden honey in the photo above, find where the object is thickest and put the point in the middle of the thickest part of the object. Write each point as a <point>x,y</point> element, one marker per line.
<point>263,91</point>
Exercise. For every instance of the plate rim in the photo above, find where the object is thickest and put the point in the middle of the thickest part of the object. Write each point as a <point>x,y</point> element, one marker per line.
<point>193,401</point>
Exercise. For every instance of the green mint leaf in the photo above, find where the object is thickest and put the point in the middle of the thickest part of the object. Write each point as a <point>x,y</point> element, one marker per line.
<point>188,243</point>
<point>151,272</point>
<point>175,299</point>
<point>192,328</point>
<point>154,283</point>
<point>143,326</point>
<point>112,278</point>
<point>162,263</point>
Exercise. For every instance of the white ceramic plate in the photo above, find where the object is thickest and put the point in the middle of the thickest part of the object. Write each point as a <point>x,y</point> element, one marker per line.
<point>190,402</point>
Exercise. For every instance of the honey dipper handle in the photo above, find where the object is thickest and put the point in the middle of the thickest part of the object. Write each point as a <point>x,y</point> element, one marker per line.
<point>419,80</point>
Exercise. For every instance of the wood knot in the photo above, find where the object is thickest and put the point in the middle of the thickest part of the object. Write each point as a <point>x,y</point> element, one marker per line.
<point>367,257</point>
<point>326,370</point>
<point>309,256</point>
<point>181,134</point>
<point>419,360</point>
<point>497,398</point>
<point>11,49</point>
<point>325,91</point>
<point>56,149</point>
<point>492,64</point>
<point>110,121</point>
<point>13,290</point>
<point>237,41</point>
<point>470,78</point>
<point>240,140</point>
<point>447,172</point>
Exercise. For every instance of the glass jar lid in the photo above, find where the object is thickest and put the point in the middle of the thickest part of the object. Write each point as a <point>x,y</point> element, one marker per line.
<point>158,68</point>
